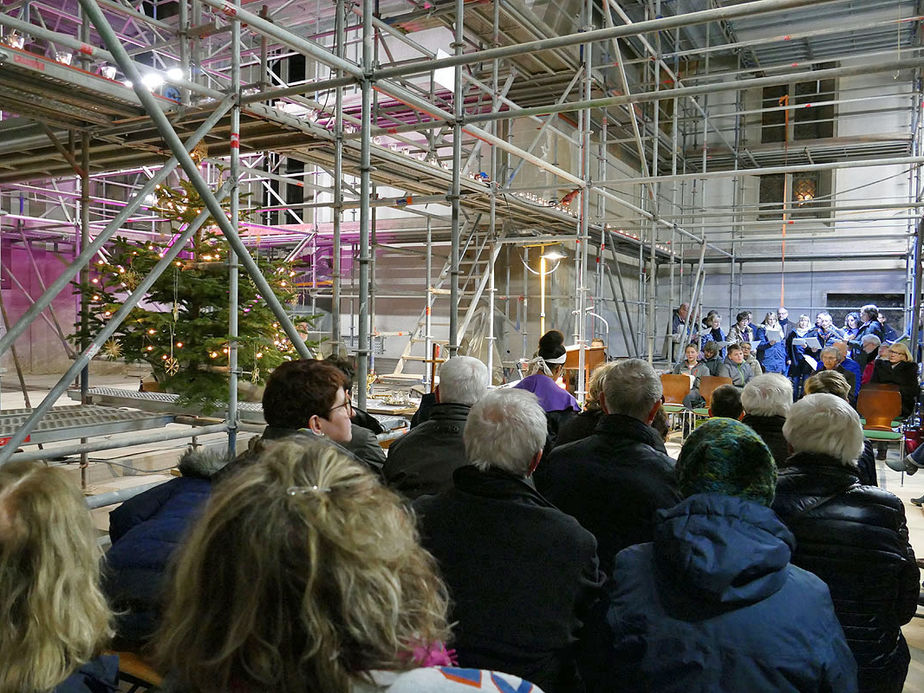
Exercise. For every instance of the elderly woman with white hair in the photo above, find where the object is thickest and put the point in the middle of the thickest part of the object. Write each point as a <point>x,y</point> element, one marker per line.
<point>766,401</point>
<point>853,537</point>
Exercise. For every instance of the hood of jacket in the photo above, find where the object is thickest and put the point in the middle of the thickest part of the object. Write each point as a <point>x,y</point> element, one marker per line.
<point>726,550</point>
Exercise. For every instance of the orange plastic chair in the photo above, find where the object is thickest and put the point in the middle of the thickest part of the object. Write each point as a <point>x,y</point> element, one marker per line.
<point>880,408</point>
<point>675,387</point>
<point>708,384</point>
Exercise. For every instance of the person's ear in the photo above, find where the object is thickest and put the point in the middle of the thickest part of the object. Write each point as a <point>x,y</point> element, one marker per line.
<point>602,399</point>
<point>314,424</point>
<point>534,463</point>
<point>651,414</point>
<point>436,394</point>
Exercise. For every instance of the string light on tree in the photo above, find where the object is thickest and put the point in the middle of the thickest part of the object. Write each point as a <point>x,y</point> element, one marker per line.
<point>180,328</point>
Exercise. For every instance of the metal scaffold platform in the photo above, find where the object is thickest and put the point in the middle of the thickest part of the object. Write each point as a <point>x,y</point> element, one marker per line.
<point>80,421</point>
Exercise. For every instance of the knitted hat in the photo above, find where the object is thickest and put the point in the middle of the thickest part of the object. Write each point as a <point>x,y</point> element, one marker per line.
<point>725,456</point>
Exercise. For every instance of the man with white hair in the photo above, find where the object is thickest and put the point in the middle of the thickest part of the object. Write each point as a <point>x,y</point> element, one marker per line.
<point>422,461</point>
<point>766,401</point>
<point>614,480</point>
<point>521,573</point>
<point>853,537</point>
<point>869,349</point>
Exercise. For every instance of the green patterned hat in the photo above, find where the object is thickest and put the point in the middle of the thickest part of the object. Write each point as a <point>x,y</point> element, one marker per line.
<point>725,456</point>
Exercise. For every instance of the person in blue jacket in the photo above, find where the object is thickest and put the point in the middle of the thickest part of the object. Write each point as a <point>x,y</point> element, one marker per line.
<point>713,603</point>
<point>771,352</point>
<point>145,531</point>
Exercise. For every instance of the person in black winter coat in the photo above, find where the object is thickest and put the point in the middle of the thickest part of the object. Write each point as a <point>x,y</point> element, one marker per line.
<point>833,383</point>
<point>614,480</point>
<point>422,461</point>
<point>55,618</point>
<point>493,525</point>
<point>853,537</point>
<point>899,370</point>
<point>582,425</point>
<point>766,401</point>
<point>714,603</point>
<point>146,531</point>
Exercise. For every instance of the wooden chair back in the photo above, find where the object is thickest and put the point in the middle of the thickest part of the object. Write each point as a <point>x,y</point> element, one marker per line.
<point>708,384</point>
<point>675,387</point>
<point>879,408</point>
<point>137,672</point>
<point>887,387</point>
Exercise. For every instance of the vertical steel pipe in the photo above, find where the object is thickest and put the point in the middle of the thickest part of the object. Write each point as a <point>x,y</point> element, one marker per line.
<point>362,350</point>
<point>337,211</point>
<point>233,283</point>
<point>458,105</point>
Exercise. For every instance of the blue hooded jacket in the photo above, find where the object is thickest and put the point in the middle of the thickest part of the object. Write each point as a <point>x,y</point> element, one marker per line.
<point>713,604</point>
<point>146,530</point>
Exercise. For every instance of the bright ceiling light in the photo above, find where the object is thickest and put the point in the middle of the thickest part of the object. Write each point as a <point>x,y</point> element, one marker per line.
<point>152,80</point>
<point>174,74</point>
<point>554,255</point>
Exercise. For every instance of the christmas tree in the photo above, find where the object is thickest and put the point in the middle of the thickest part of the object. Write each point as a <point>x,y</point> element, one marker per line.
<point>180,328</point>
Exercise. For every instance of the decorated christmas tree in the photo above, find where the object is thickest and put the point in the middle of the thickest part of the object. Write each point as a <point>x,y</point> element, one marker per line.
<point>180,328</point>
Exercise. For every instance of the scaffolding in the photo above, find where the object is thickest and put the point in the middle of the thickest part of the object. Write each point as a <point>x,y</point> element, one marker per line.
<point>632,134</point>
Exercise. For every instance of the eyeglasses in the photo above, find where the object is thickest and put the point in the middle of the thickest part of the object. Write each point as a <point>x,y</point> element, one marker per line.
<point>346,405</point>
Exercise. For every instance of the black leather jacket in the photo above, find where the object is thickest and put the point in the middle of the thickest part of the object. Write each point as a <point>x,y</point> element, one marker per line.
<point>854,538</point>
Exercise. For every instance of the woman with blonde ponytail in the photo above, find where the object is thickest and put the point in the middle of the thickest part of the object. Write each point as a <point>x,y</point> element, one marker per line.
<point>305,574</point>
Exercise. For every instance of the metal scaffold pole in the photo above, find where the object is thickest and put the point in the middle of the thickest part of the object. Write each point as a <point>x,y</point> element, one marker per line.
<point>584,236</point>
<point>365,169</point>
<point>337,211</point>
<point>458,105</point>
<point>233,275</point>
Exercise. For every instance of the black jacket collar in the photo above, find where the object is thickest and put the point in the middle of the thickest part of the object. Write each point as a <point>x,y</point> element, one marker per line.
<point>629,428</point>
<point>449,411</point>
<point>497,484</point>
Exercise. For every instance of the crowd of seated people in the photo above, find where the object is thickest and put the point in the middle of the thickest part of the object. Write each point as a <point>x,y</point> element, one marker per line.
<point>866,349</point>
<point>550,551</point>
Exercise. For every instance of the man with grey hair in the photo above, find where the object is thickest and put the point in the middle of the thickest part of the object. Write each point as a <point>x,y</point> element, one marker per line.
<point>766,401</point>
<point>869,348</point>
<point>422,461</point>
<point>614,480</point>
<point>853,537</point>
<point>521,573</point>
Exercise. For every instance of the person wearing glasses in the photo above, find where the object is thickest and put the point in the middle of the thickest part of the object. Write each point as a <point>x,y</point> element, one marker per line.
<point>305,397</point>
<point>899,370</point>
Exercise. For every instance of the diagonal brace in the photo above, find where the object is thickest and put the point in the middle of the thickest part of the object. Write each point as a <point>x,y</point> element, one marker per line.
<point>166,130</point>
<point>96,344</point>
